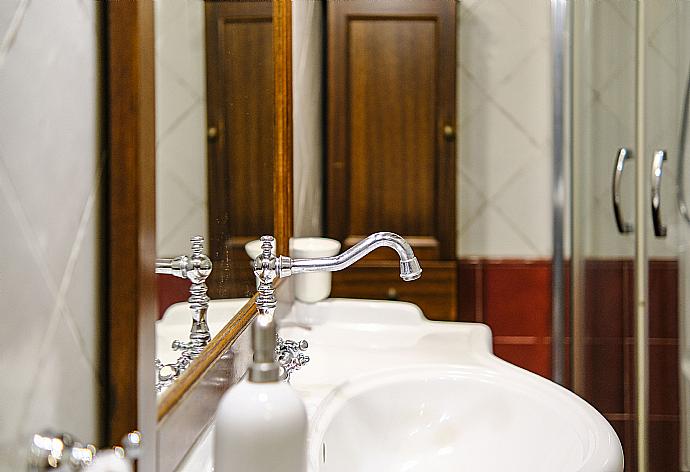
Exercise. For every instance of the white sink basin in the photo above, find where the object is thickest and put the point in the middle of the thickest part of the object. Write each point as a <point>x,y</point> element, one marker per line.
<point>388,390</point>
<point>448,418</point>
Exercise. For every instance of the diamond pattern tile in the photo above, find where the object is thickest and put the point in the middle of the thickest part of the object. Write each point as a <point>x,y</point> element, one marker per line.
<point>493,42</point>
<point>504,113</point>
<point>524,96</point>
<point>491,234</point>
<point>49,167</point>
<point>492,149</point>
<point>524,206</point>
<point>181,125</point>
<point>8,10</point>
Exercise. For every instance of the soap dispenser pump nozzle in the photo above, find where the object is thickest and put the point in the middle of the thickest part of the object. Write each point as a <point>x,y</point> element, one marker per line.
<point>264,368</point>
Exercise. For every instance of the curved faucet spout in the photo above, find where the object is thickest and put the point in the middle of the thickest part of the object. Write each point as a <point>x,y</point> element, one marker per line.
<point>409,265</point>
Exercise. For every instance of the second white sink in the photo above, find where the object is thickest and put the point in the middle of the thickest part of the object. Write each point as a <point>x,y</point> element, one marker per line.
<point>448,418</point>
<point>387,389</point>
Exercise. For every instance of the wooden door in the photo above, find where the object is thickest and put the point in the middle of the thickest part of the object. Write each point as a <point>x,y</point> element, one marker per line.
<point>240,93</point>
<point>391,150</point>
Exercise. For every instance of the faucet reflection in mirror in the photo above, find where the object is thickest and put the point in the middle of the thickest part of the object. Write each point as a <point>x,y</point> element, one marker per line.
<point>196,268</point>
<point>51,451</point>
<point>268,267</point>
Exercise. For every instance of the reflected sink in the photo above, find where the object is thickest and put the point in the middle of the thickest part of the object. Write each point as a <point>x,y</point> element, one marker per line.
<point>448,418</point>
<point>177,320</point>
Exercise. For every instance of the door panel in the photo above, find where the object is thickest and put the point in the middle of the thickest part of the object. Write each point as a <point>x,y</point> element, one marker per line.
<point>239,63</point>
<point>391,150</point>
<point>391,92</point>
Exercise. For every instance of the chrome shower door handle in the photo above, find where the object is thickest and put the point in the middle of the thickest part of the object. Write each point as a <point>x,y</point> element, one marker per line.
<point>623,155</point>
<point>657,173</point>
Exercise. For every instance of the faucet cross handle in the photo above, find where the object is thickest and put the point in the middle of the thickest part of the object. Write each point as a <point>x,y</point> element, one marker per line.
<point>196,268</point>
<point>289,355</point>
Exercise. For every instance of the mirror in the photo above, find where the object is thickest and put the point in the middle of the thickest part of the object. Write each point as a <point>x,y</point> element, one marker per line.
<point>171,424</point>
<point>214,154</point>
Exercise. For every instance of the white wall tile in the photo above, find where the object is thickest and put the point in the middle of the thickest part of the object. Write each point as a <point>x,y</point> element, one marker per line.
<point>181,167</point>
<point>493,235</point>
<point>48,133</point>
<point>504,112</point>
<point>49,207</point>
<point>8,10</point>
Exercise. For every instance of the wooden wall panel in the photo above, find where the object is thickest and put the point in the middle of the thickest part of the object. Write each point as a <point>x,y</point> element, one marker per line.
<point>391,100</point>
<point>434,292</point>
<point>391,92</point>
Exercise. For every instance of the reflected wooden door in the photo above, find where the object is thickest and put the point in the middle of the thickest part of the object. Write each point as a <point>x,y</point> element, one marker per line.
<point>240,95</point>
<point>391,150</point>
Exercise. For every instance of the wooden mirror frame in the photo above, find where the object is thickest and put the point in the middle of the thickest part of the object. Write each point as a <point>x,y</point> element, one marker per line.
<point>129,337</point>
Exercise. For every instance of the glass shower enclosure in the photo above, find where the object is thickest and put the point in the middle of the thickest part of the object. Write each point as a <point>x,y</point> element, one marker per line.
<point>630,227</point>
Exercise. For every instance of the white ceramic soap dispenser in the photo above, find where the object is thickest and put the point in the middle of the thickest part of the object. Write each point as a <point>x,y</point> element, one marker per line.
<point>261,423</point>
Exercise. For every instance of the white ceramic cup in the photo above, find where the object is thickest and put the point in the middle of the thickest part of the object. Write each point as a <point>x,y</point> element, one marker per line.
<point>314,287</point>
<point>253,248</point>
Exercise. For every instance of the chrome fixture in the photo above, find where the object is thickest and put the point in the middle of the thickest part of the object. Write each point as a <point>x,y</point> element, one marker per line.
<point>289,355</point>
<point>268,267</point>
<point>50,451</point>
<point>623,155</point>
<point>196,268</point>
<point>657,172</point>
<point>680,174</point>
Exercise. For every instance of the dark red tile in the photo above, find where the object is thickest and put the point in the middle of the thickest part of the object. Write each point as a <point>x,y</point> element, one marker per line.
<point>605,298</point>
<point>604,378</point>
<point>171,290</point>
<point>663,299</point>
<point>518,298</point>
<point>664,445</point>
<point>533,357</point>
<point>663,380</point>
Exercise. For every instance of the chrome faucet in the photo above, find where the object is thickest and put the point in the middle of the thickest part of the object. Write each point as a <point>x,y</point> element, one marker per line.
<point>196,268</point>
<point>268,267</point>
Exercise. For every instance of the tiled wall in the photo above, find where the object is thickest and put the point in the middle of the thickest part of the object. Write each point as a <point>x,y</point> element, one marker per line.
<point>504,129</point>
<point>51,177</point>
<point>181,191</point>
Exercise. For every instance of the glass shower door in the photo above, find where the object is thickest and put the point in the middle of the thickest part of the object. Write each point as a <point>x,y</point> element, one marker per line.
<point>603,241</point>
<point>630,254</point>
<point>666,82</point>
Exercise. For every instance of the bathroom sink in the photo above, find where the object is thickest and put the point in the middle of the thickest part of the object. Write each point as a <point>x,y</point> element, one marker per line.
<point>453,417</point>
<point>388,390</point>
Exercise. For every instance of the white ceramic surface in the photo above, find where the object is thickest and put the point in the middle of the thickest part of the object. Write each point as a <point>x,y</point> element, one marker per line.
<point>457,417</point>
<point>388,390</point>
<point>380,373</point>
<point>311,288</point>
